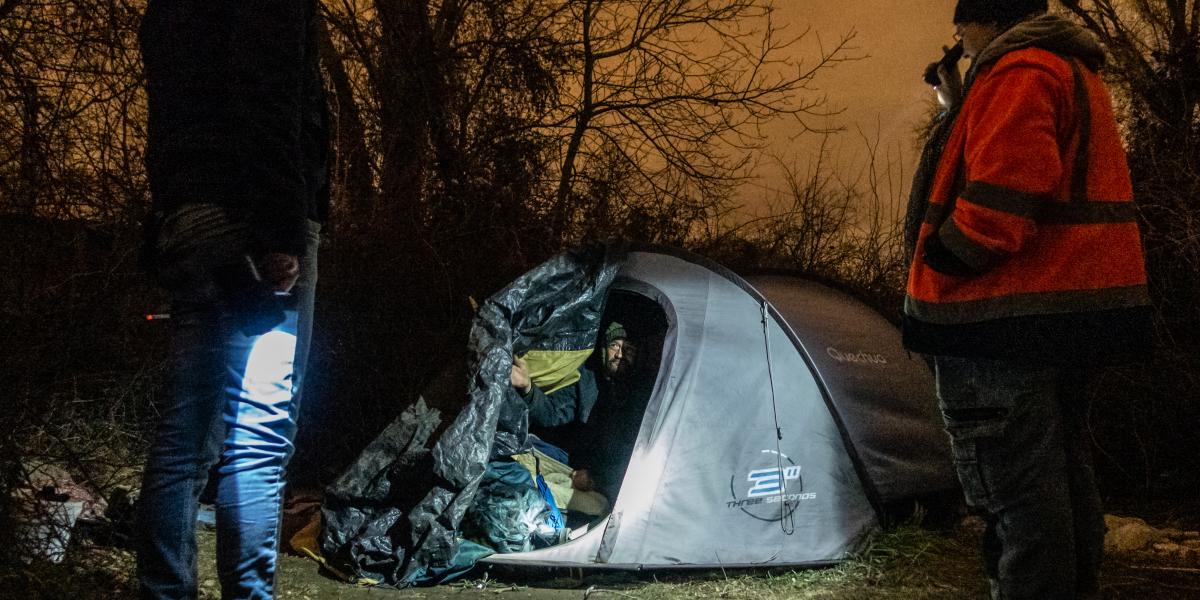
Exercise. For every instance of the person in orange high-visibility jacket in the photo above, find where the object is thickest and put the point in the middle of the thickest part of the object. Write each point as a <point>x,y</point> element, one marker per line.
<point>1029,249</point>
<point>1027,267</point>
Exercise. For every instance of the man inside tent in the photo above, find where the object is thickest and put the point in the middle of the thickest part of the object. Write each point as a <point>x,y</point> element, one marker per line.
<point>577,420</point>
<point>563,419</point>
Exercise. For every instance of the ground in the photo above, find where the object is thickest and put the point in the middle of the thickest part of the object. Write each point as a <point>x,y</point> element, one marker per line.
<point>908,563</point>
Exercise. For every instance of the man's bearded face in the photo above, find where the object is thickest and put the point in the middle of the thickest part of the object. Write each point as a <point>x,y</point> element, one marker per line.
<point>619,357</point>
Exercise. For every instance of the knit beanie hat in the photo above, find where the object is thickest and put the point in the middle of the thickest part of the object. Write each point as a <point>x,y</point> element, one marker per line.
<point>615,331</point>
<point>1004,12</point>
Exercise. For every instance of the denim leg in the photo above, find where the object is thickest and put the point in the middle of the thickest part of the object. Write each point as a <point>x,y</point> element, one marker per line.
<point>305,293</point>
<point>260,411</point>
<point>260,426</point>
<point>1006,431</point>
<point>184,448</point>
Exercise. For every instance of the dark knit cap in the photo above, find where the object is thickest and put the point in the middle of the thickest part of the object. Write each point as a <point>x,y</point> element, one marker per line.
<point>1004,12</point>
<point>614,332</point>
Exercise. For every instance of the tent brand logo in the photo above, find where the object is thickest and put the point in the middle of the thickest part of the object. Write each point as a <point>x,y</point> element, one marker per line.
<point>776,486</point>
<point>771,481</point>
<point>861,358</point>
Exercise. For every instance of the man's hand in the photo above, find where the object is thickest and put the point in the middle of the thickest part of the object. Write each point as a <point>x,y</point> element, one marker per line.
<point>945,76</point>
<point>582,480</point>
<point>950,92</point>
<point>520,376</point>
<point>280,271</point>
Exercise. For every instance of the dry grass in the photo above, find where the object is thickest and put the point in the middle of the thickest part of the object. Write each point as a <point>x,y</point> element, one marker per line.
<point>906,563</point>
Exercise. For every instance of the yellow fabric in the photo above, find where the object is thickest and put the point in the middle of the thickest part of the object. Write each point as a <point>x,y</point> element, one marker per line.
<point>552,370</point>
<point>558,477</point>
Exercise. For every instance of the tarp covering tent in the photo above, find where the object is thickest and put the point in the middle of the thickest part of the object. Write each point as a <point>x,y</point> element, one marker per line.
<point>785,415</point>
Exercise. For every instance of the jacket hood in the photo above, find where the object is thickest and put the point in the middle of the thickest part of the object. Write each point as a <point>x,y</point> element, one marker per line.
<point>1046,31</point>
<point>1049,32</point>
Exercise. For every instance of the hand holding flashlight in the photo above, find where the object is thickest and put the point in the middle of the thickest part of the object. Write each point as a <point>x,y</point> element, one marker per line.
<point>945,77</point>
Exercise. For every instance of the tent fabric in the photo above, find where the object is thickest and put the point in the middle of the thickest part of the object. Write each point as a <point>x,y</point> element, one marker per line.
<point>784,417</point>
<point>776,488</point>
<point>393,517</point>
<point>737,437</point>
<point>872,381</point>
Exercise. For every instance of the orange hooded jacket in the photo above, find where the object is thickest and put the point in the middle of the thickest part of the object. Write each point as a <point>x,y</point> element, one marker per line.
<point>1030,248</point>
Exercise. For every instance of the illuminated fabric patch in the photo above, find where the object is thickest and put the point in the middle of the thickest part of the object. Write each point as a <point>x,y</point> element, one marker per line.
<point>552,370</point>
<point>261,425</point>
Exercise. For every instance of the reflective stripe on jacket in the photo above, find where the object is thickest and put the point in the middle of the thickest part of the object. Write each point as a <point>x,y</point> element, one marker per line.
<point>1030,246</point>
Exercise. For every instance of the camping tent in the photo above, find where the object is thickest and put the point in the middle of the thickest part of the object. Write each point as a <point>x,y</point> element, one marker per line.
<point>784,418</point>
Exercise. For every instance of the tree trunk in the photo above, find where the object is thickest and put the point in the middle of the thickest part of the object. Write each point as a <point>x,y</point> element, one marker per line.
<point>33,157</point>
<point>582,122</point>
<point>404,123</point>
<point>351,160</point>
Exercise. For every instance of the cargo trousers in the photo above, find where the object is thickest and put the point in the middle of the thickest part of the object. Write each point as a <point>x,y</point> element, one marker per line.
<point>1020,450</point>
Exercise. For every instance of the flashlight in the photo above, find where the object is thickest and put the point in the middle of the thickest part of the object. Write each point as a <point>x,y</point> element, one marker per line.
<point>253,302</point>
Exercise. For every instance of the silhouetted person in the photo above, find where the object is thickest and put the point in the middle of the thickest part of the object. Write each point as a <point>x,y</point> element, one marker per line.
<point>236,161</point>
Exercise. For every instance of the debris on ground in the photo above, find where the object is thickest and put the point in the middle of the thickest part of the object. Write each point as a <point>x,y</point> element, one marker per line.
<point>1128,535</point>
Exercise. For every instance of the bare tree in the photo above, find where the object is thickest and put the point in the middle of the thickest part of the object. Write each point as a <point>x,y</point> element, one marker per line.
<point>678,90</point>
<point>1155,44</point>
<point>681,89</point>
<point>445,91</point>
<point>71,110</point>
<point>878,263</point>
<point>812,233</point>
<point>72,191</point>
<point>840,222</point>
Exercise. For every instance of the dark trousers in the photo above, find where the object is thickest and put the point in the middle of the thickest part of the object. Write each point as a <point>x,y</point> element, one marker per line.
<point>1021,455</point>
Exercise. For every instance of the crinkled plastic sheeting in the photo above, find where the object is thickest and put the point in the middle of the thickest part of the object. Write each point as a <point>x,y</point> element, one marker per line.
<point>393,516</point>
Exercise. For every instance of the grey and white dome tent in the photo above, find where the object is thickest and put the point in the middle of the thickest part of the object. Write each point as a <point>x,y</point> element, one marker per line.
<point>784,418</point>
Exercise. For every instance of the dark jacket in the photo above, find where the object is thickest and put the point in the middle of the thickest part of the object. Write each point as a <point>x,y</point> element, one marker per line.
<point>596,434</point>
<point>559,417</point>
<point>236,113</point>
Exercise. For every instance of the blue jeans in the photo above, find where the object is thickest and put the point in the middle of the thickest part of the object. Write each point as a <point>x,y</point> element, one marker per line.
<point>232,402</point>
<point>1019,449</point>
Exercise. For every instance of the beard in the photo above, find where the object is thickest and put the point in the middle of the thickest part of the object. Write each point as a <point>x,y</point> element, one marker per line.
<point>612,366</point>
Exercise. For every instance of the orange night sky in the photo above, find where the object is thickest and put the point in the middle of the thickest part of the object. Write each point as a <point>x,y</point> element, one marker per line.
<point>883,92</point>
